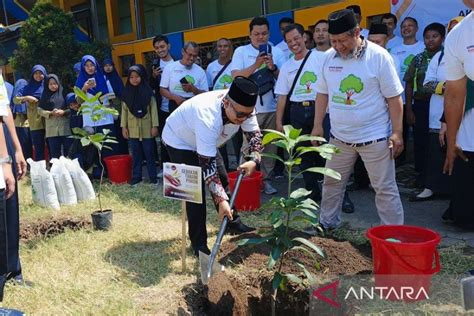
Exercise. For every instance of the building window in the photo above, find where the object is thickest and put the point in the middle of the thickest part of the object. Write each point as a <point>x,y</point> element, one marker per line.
<point>102,20</point>
<point>284,5</point>
<point>124,18</point>
<point>165,16</point>
<point>210,12</point>
<point>127,61</point>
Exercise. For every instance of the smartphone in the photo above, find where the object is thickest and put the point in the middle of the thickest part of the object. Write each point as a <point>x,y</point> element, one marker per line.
<point>264,49</point>
<point>183,80</point>
<point>91,81</point>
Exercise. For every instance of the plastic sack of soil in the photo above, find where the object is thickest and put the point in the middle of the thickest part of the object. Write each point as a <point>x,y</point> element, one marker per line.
<point>63,182</point>
<point>82,183</point>
<point>42,185</point>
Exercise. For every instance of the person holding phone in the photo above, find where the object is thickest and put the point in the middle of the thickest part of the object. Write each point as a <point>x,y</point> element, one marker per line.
<point>249,59</point>
<point>183,79</point>
<point>91,80</point>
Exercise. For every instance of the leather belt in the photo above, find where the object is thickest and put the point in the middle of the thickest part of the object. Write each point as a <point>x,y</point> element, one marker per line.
<point>361,144</point>
<point>304,103</point>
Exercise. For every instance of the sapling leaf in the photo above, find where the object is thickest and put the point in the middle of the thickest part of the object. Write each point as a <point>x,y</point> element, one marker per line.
<point>274,256</point>
<point>310,245</point>
<point>308,274</point>
<point>80,131</point>
<point>293,278</point>
<point>306,138</point>
<point>271,136</point>
<point>308,213</point>
<point>299,193</point>
<point>273,156</point>
<point>326,171</point>
<point>85,142</point>
<point>253,241</point>
<point>277,278</point>
<point>282,144</point>
<point>294,133</point>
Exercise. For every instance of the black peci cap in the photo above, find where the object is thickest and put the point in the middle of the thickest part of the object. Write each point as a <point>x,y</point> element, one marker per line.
<point>377,28</point>
<point>355,8</point>
<point>243,91</point>
<point>341,21</point>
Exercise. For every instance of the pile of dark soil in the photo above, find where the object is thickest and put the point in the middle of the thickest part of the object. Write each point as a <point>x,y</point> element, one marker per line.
<point>247,289</point>
<point>51,227</point>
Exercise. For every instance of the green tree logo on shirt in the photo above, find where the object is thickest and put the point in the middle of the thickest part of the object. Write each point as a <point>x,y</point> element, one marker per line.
<point>350,85</point>
<point>225,80</point>
<point>307,78</point>
<point>189,79</point>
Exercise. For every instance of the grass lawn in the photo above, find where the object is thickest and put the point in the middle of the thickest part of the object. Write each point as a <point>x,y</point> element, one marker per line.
<point>133,269</point>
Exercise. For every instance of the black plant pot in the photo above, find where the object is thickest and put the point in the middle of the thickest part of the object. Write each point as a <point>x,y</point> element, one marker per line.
<point>102,220</point>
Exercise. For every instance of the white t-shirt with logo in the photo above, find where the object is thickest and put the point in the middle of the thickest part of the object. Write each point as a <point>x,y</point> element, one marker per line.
<point>459,57</point>
<point>305,88</point>
<point>393,42</point>
<point>244,57</point>
<point>164,101</point>
<point>436,72</point>
<point>174,72</point>
<point>197,125</point>
<point>357,90</point>
<point>284,48</point>
<point>225,79</point>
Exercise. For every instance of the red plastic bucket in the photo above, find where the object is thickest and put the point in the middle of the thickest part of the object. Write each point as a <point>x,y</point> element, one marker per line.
<point>119,168</point>
<point>408,263</point>
<point>248,197</point>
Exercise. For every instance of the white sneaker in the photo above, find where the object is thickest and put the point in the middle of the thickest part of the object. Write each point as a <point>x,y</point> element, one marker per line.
<point>269,189</point>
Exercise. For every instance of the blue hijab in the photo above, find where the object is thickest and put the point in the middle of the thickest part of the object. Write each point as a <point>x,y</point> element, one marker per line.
<point>114,78</point>
<point>20,84</point>
<point>77,68</point>
<point>101,84</point>
<point>34,88</point>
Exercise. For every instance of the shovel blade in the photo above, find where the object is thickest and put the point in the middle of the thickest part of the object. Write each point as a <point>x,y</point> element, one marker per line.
<point>204,267</point>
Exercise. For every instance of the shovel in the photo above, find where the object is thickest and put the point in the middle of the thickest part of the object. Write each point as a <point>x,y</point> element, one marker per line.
<point>208,264</point>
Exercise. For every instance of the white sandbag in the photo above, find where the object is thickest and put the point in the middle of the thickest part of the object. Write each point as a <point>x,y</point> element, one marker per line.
<point>82,183</point>
<point>63,182</point>
<point>42,185</point>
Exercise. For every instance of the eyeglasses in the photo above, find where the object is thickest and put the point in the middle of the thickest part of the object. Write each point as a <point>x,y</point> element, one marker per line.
<point>239,114</point>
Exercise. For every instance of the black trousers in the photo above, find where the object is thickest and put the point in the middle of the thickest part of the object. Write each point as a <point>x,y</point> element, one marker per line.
<point>303,117</point>
<point>421,110</point>
<point>196,211</point>
<point>162,116</point>
<point>11,231</point>
<point>462,188</point>
<point>435,179</point>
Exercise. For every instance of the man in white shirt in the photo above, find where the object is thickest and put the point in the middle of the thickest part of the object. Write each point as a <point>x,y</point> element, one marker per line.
<point>358,15</point>
<point>284,22</point>
<point>321,36</point>
<point>405,52</point>
<point>359,85</point>
<point>218,72</point>
<point>301,100</point>
<point>161,46</point>
<point>390,20</point>
<point>192,135</point>
<point>458,107</point>
<point>183,79</point>
<point>249,60</point>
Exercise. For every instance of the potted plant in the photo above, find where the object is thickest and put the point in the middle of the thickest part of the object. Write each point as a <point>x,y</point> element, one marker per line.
<point>101,219</point>
<point>289,213</point>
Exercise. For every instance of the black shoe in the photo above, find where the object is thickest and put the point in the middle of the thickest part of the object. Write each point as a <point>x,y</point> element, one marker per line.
<point>238,228</point>
<point>347,205</point>
<point>447,216</point>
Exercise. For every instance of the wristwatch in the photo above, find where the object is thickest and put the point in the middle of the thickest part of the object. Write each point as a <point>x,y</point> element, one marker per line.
<point>7,159</point>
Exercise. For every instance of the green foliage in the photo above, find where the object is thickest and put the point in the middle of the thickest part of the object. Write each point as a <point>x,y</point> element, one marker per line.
<point>96,110</point>
<point>47,38</point>
<point>296,208</point>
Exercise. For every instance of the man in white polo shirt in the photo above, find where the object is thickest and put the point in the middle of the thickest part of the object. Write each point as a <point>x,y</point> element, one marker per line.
<point>183,79</point>
<point>192,135</point>
<point>360,86</point>
<point>247,61</point>
<point>459,111</point>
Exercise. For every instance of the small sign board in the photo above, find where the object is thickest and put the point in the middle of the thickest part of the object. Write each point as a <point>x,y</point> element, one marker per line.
<point>182,182</point>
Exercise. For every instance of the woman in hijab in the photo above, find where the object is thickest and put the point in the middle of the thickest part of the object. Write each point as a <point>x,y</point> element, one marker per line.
<point>116,84</point>
<point>91,80</point>
<point>140,122</point>
<point>53,108</point>
<point>31,94</point>
<point>21,121</point>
